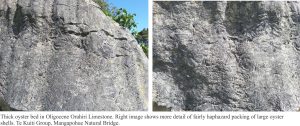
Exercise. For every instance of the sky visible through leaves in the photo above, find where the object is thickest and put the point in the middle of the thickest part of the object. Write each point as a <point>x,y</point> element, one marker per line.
<point>139,7</point>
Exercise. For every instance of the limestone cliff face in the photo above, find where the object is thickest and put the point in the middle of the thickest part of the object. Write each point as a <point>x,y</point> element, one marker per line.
<point>227,56</point>
<point>67,55</point>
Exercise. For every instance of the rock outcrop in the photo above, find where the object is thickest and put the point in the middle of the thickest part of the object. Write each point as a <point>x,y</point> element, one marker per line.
<point>227,56</point>
<point>67,55</point>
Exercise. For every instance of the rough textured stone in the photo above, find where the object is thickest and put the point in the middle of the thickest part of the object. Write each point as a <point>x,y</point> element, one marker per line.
<point>227,56</point>
<point>67,55</point>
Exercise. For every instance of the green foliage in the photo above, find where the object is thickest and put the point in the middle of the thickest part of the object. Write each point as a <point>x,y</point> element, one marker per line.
<point>142,36</point>
<point>125,19</point>
<point>145,48</point>
<point>105,7</point>
<point>121,15</point>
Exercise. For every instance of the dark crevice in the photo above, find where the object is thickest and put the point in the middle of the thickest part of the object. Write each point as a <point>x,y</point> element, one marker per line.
<point>119,55</point>
<point>41,17</point>
<point>107,33</point>
<point>7,15</point>
<point>22,20</point>
<point>82,34</point>
<point>111,35</point>
<point>71,23</point>
<point>65,5</point>
<point>121,38</point>
<point>84,45</point>
<point>56,22</point>
<point>18,21</point>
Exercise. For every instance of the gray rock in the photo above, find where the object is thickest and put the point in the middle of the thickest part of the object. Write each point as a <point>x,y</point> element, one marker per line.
<point>227,56</point>
<point>67,55</point>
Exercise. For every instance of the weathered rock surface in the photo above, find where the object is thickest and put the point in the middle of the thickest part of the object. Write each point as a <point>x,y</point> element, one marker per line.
<point>227,56</point>
<point>67,55</point>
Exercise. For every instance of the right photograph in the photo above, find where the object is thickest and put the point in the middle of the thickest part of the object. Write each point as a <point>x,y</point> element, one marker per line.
<point>226,56</point>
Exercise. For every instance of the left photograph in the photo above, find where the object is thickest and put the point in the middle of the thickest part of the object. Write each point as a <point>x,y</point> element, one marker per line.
<point>73,55</point>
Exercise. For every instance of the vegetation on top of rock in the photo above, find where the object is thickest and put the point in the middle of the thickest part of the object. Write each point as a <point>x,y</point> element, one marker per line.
<point>126,20</point>
<point>142,36</point>
<point>105,7</point>
<point>120,15</point>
